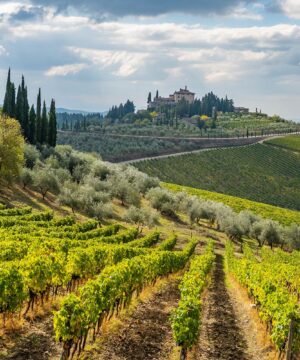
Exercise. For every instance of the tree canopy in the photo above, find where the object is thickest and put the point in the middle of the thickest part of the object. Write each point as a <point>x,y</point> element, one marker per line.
<point>11,147</point>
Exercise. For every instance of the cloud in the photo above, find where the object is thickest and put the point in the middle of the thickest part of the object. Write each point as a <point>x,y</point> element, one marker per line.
<point>121,8</point>
<point>291,8</point>
<point>123,63</point>
<point>65,70</point>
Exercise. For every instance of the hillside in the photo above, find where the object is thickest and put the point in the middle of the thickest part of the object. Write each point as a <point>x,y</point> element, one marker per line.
<point>283,216</point>
<point>261,173</point>
<point>118,148</point>
<point>100,261</point>
<point>291,142</point>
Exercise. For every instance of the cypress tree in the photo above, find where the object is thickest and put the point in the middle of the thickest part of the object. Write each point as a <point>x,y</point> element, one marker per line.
<point>44,125</point>
<point>19,106</point>
<point>25,111</point>
<point>12,100</point>
<point>39,118</point>
<point>9,98</point>
<point>32,126</point>
<point>52,133</point>
<point>7,95</point>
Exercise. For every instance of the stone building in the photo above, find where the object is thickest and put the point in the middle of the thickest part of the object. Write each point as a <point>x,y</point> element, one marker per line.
<point>173,99</point>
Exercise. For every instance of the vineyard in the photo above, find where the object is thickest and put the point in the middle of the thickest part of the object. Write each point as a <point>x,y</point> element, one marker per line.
<point>283,216</point>
<point>291,142</point>
<point>95,271</point>
<point>88,276</point>
<point>260,173</point>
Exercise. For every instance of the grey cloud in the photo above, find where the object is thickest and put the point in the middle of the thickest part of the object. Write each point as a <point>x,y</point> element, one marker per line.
<point>121,8</point>
<point>27,14</point>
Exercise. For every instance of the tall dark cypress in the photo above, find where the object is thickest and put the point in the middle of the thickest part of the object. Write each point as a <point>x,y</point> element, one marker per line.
<point>32,126</point>
<point>9,98</point>
<point>7,95</point>
<point>52,133</point>
<point>38,135</point>
<point>44,125</point>
<point>25,112</point>
<point>19,106</point>
<point>12,100</point>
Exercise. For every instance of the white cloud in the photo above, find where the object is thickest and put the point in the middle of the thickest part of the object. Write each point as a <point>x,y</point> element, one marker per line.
<point>3,51</point>
<point>291,8</point>
<point>65,70</point>
<point>125,63</point>
<point>244,13</point>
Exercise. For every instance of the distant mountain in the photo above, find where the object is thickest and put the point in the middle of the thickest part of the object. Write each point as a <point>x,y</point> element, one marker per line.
<point>71,111</point>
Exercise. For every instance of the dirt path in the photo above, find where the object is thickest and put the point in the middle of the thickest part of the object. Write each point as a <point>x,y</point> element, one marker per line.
<point>34,343</point>
<point>146,335</point>
<point>228,332</point>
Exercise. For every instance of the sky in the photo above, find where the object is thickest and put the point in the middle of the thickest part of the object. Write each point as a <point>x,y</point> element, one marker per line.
<point>92,54</point>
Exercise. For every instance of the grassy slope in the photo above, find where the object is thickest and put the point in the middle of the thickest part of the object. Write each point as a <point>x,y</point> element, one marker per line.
<point>284,216</point>
<point>260,173</point>
<point>289,142</point>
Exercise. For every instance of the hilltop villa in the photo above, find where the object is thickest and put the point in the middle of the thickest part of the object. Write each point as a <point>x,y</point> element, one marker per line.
<point>172,99</point>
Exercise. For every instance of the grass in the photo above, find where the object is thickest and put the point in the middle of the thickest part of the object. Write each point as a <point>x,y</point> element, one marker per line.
<point>291,142</point>
<point>259,172</point>
<point>283,216</point>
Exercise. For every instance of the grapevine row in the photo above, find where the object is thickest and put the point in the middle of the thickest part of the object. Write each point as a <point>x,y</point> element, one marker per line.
<point>185,319</point>
<point>112,290</point>
<point>276,304</point>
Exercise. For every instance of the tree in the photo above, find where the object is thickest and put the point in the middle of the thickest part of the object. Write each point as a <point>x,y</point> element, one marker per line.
<point>270,233</point>
<point>142,217</point>
<point>44,181</point>
<point>19,106</point>
<point>9,98</point>
<point>32,155</point>
<point>25,110</point>
<point>52,129</point>
<point>11,148</point>
<point>44,125</point>
<point>26,177</point>
<point>293,236</point>
<point>70,196</point>
<point>39,118</point>
<point>32,126</point>
<point>100,211</point>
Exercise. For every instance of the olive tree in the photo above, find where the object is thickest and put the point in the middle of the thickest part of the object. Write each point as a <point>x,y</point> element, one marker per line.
<point>162,200</point>
<point>100,211</point>
<point>292,236</point>
<point>140,217</point>
<point>44,180</point>
<point>70,196</point>
<point>31,156</point>
<point>271,233</point>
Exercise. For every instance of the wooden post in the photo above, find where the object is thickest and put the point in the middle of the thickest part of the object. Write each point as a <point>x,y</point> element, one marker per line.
<point>288,355</point>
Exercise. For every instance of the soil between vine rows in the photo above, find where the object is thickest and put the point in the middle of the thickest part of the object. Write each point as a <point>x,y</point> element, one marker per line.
<point>147,334</point>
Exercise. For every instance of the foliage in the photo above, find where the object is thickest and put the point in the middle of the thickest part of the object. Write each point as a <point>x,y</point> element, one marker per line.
<point>283,216</point>
<point>185,320</point>
<point>270,175</point>
<point>114,286</point>
<point>291,142</point>
<point>34,125</point>
<point>268,284</point>
<point>11,148</point>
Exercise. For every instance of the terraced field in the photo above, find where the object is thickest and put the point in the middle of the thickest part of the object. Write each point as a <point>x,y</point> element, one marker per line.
<point>260,173</point>
<point>288,142</point>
